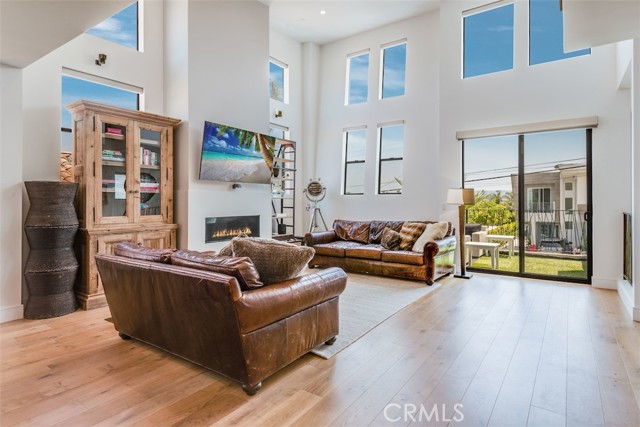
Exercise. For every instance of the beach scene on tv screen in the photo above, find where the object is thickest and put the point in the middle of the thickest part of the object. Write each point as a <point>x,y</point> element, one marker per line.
<point>236,155</point>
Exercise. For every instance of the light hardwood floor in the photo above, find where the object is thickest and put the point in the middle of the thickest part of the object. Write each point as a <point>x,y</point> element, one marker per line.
<point>511,352</point>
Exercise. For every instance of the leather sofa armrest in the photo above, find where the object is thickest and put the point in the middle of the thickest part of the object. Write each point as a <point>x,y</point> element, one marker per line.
<point>261,307</point>
<point>431,249</point>
<point>445,245</point>
<point>311,239</point>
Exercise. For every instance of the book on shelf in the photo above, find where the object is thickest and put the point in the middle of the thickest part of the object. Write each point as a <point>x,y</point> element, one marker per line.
<point>113,131</point>
<point>112,155</point>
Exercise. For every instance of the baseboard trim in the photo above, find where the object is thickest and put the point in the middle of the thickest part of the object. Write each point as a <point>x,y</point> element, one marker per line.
<point>7,314</point>
<point>604,283</point>
<point>626,295</point>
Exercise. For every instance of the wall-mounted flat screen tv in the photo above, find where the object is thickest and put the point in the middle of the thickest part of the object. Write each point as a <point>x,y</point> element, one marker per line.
<point>235,155</point>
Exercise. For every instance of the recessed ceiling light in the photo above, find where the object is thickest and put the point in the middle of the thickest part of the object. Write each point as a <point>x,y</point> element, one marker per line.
<point>323,12</point>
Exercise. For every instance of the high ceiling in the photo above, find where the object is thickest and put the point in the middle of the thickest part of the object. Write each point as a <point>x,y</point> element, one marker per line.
<point>303,21</point>
<point>30,29</point>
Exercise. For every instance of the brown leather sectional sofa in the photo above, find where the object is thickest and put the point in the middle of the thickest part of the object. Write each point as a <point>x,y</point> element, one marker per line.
<point>355,246</point>
<point>206,317</point>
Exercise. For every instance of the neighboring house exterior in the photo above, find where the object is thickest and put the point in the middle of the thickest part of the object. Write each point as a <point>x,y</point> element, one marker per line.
<point>555,207</point>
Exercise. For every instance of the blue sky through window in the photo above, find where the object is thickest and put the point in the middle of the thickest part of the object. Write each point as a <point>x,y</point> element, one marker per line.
<point>358,79</point>
<point>488,41</point>
<point>121,28</point>
<point>393,72</point>
<point>74,89</point>
<point>546,37</point>
<point>276,81</point>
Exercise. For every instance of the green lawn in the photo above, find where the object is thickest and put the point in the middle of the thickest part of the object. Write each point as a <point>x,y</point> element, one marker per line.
<point>538,265</point>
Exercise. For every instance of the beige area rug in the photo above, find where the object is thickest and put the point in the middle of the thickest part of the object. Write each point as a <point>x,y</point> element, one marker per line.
<point>368,301</point>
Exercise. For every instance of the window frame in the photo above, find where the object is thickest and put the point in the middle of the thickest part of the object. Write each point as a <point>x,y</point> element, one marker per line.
<point>66,72</point>
<point>476,11</point>
<point>139,27</point>
<point>348,162</point>
<point>386,159</point>
<point>286,132</point>
<point>541,192</point>
<point>347,94</point>
<point>381,74</point>
<point>285,79</point>
<point>564,57</point>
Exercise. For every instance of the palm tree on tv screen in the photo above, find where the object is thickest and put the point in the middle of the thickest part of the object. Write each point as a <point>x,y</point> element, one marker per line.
<point>246,139</point>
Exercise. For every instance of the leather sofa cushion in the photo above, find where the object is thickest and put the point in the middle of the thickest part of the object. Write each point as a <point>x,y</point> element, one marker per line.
<point>136,251</point>
<point>336,249</point>
<point>373,252</point>
<point>355,231</point>
<point>403,257</point>
<point>377,228</point>
<point>262,307</point>
<point>239,267</point>
<point>275,261</point>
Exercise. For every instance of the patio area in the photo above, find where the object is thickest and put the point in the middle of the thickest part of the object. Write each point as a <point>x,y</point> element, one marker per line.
<point>551,265</point>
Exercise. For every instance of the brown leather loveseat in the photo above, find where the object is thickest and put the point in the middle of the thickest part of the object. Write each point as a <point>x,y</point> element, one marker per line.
<point>206,318</point>
<point>355,247</point>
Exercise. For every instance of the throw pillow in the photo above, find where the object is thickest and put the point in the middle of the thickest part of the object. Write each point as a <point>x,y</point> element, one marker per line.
<point>377,228</point>
<point>137,251</point>
<point>431,233</point>
<point>390,239</point>
<point>409,233</point>
<point>275,261</point>
<point>226,251</point>
<point>239,267</point>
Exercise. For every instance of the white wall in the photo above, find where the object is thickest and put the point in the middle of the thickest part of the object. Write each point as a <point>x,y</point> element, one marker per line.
<point>577,87</point>
<point>39,138</point>
<point>418,108</point>
<point>10,193</point>
<point>310,106</point>
<point>226,81</point>
<point>289,51</point>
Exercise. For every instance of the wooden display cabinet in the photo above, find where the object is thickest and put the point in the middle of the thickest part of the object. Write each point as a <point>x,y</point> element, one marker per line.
<point>123,162</point>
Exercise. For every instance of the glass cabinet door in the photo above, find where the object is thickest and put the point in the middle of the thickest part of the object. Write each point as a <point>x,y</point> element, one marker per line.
<point>151,180</point>
<point>112,167</point>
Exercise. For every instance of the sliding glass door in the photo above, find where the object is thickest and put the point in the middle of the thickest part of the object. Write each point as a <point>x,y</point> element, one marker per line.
<point>533,204</point>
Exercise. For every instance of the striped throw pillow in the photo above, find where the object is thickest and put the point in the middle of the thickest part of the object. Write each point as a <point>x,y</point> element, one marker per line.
<point>409,233</point>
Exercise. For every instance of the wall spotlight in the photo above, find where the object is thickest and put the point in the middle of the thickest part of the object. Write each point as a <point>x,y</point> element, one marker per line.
<point>278,113</point>
<point>236,185</point>
<point>102,58</point>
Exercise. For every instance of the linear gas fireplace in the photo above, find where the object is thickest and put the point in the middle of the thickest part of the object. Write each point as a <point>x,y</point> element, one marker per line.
<point>221,228</point>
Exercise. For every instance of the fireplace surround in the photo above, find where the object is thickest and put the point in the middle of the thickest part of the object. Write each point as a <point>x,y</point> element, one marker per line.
<point>222,228</point>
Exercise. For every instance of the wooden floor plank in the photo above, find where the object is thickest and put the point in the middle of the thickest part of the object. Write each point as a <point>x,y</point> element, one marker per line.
<point>510,351</point>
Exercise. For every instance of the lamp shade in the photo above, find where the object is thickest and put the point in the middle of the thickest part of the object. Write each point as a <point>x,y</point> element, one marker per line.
<point>461,196</point>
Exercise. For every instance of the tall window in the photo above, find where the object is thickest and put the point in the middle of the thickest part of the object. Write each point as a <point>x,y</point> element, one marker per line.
<point>394,61</point>
<point>357,78</point>
<point>277,131</point>
<point>539,200</point>
<point>278,80</point>
<point>121,28</point>
<point>355,142</point>
<point>546,40</point>
<point>74,89</point>
<point>390,159</point>
<point>488,41</point>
